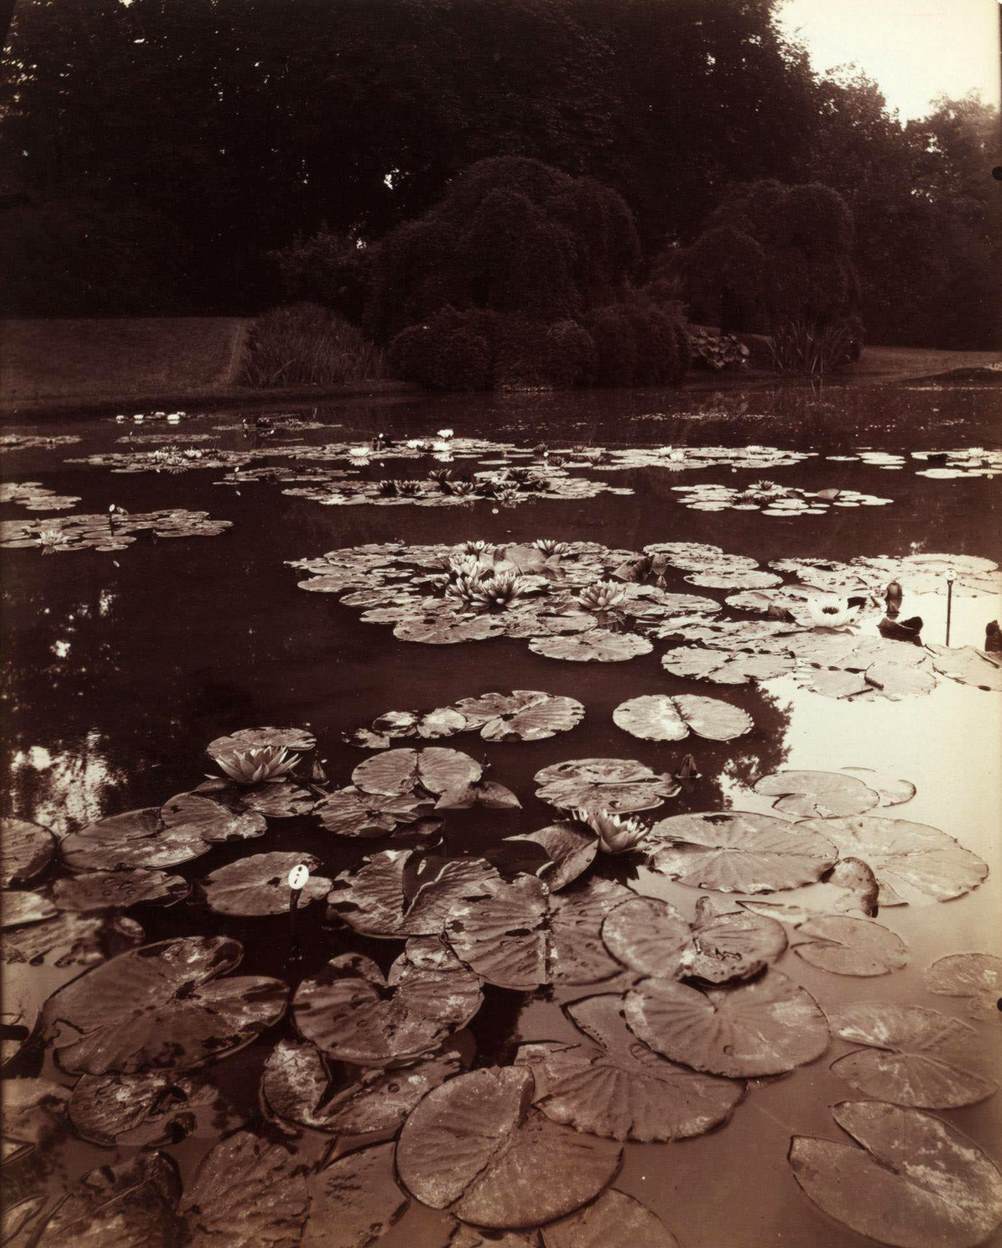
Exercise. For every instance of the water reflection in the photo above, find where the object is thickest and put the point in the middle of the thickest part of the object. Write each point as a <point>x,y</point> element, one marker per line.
<point>65,787</point>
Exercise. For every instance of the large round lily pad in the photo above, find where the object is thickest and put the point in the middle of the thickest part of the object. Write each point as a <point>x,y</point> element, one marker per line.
<point>916,1182</point>
<point>976,977</point>
<point>246,1191</point>
<point>969,666</point>
<point>117,890</point>
<point>147,1110</point>
<point>598,645</point>
<point>352,812</point>
<point>764,1027</point>
<point>182,829</point>
<point>297,1087</point>
<point>614,1218</point>
<point>913,862</point>
<point>164,1006</point>
<point>295,740</point>
<point>740,852</point>
<point>400,893</point>
<point>354,1200</point>
<point>431,770</point>
<point>818,794</point>
<point>475,1146</point>
<point>657,717</point>
<point>603,784</point>
<point>25,851</point>
<point>259,884</point>
<point>914,1057</point>
<point>523,715</point>
<point>351,1012</point>
<point>647,935</point>
<point>503,936</point>
<point>848,946</point>
<point>695,663</point>
<point>69,939</point>
<point>729,942</point>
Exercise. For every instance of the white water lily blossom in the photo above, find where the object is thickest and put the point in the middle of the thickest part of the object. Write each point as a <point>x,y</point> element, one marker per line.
<point>264,764</point>
<point>831,612</point>
<point>446,433</point>
<point>616,834</point>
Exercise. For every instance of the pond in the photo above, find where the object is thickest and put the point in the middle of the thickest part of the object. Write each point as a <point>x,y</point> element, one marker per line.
<point>546,1046</point>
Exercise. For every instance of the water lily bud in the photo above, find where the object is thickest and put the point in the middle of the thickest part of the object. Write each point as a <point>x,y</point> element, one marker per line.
<point>298,877</point>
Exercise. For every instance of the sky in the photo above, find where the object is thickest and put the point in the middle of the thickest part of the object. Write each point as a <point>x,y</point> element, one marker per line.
<point>914,49</point>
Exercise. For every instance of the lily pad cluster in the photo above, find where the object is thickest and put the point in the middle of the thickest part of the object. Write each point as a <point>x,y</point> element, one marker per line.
<point>107,532</point>
<point>522,715</point>
<point>770,499</point>
<point>34,496</point>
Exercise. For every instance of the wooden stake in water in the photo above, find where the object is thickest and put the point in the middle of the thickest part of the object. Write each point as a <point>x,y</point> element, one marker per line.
<point>298,878</point>
<point>949,603</point>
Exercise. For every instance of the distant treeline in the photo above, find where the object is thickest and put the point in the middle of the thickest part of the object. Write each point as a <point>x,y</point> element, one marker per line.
<point>173,156</point>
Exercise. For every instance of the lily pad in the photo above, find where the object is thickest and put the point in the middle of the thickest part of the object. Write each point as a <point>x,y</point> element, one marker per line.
<point>118,890</point>
<point>974,976</point>
<point>443,628</point>
<point>297,1087</point>
<point>182,829</point>
<point>475,1146</point>
<point>355,1014</point>
<point>431,770</point>
<point>147,1110</point>
<point>916,1182</point>
<point>70,940</point>
<point>848,946</point>
<point>400,893</point>
<point>603,784</point>
<point>26,849</point>
<point>576,952</point>
<point>817,794</point>
<point>295,740</point>
<point>503,935</point>
<point>523,715</point>
<point>913,862</point>
<point>352,812</point>
<point>657,717</point>
<point>849,888</point>
<point>915,1056</point>
<point>969,666</point>
<point>730,943</point>
<point>647,935</point>
<point>247,1191</point>
<point>621,1089</point>
<point>614,1218</point>
<point>259,884</point>
<point>443,721</point>
<point>275,799</point>
<point>568,851</point>
<point>163,1006</point>
<point>740,852</point>
<point>598,645</point>
<point>765,1027</point>
<point>721,668</point>
<point>354,1200</point>
<point>893,791</point>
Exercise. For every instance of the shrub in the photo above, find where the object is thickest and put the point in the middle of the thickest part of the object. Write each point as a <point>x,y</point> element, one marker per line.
<point>637,343</point>
<point>531,356</point>
<point>307,344</point>
<point>450,351</point>
<point>329,268</point>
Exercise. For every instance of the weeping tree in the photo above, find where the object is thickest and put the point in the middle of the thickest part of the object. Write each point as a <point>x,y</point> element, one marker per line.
<point>775,259</point>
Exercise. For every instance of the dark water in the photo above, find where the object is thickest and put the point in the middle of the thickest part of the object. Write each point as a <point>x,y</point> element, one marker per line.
<point>120,667</point>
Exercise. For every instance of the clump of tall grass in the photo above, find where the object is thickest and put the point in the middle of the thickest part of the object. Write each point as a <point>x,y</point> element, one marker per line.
<point>305,344</point>
<point>811,350</point>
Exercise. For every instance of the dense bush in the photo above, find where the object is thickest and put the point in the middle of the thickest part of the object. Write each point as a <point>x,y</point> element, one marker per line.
<point>307,344</point>
<point>637,343</point>
<point>330,269</point>
<point>449,351</point>
<point>511,236</point>
<point>716,351</point>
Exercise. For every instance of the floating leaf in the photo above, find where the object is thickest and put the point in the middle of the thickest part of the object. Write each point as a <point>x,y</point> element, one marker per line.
<point>444,721</point>
<point>740,852</point>
<point>730,943</point>
<point>352,812</point>
<point>487,793</point>
<point>128,1205</point>
<point>70,940</point>
<point>117,890</point>
<point>502,935</point>
<point>160,1007</point>
<point>399,893</point>
<point>912,861</point>
<point>259,884</point>
<point>523,715</point>
<point>916,1182</point>
<point>182,829</point>
<point>647,935</point>
<point>246,1191</point>
<point>913,1058</point>
<point>657,717</point>
<point>721,668</point>
<point>297,1087</point>
<point>295,740</point>
<point>351,1012</point>
<point>614,1218</point>
<point>738,578</point>
<point>146,1110</point>
<point>567,851</point>
<point>603,784</point>
<point>621,1090</point>
<point>596,646</point>
<point>976,976</point>
<point>849,888</point>
<point>765,1027</point>
<point>817,794</point>
<point>26,849</point>
<point>892,790</point>
<point>443,628</point>
<point>354,1200</point>
<point>576,952</point>
<point>848,946</point>
<point>968,665</point>
<point>434,770</point>
<point>277,800</point>
<point>475,1147</point>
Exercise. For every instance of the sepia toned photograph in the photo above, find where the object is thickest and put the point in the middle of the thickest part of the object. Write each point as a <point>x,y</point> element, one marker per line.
<point>500,596</point>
